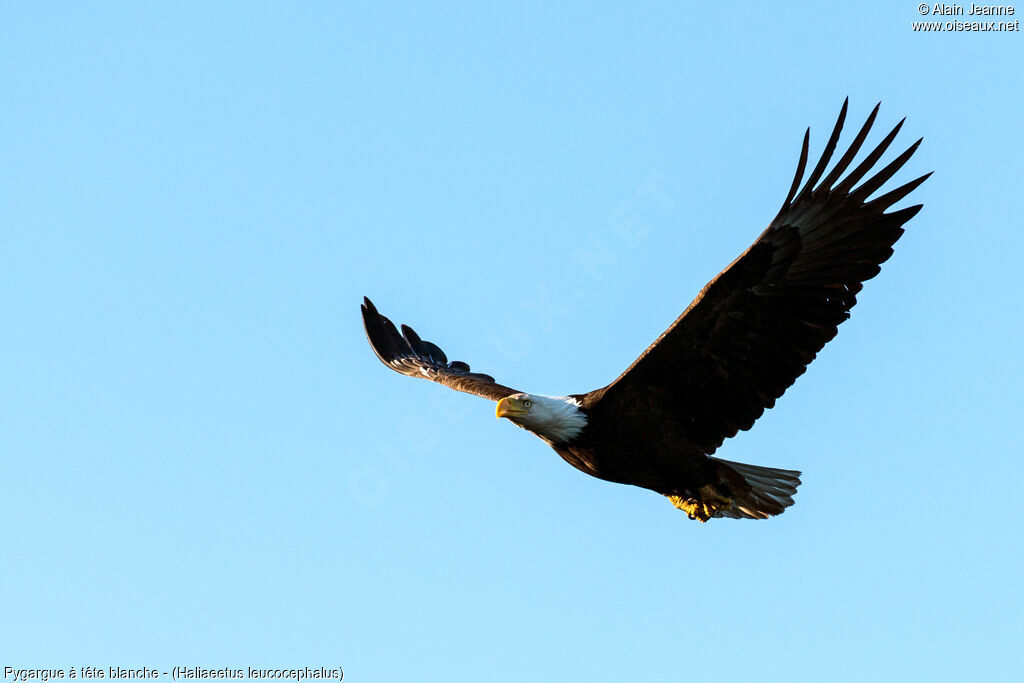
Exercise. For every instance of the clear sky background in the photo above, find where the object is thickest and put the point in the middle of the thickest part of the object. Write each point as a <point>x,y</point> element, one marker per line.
<point>203,464</point>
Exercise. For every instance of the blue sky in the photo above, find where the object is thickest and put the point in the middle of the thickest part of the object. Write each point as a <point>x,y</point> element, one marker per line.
<point>204,464</point>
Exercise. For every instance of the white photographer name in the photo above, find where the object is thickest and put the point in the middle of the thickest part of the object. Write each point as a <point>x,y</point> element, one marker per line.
<point>956,10</point>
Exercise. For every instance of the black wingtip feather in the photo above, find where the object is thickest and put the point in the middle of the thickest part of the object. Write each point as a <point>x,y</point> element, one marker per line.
<point>414,341</point>
<point>851,152</point>
<point>380,332</point>
<point>410,336</point>
<point>800,166</point>
<point>435,352</point>
<point>904,215</point>
<point>826,155</point>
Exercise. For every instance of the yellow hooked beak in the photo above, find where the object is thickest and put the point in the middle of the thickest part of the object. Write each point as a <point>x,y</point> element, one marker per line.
<point>510,407</point>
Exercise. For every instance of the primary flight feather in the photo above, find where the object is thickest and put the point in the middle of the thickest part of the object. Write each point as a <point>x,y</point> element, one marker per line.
<point>743,341</point>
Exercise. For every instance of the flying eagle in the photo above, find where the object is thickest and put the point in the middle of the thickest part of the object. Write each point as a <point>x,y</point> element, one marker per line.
<point>743,341</point>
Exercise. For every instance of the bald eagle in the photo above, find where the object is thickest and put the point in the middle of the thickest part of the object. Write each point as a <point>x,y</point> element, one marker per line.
<point>743,341</point>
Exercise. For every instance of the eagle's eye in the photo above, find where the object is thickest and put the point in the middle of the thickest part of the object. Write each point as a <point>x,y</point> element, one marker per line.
<point>527,403</point>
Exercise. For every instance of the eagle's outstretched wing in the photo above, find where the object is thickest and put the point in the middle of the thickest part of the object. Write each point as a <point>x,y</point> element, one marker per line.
<point>754,328</point>
<point>408,354</point>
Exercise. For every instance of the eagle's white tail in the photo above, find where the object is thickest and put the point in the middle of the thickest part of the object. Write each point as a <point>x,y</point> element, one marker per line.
<point>770,491</point>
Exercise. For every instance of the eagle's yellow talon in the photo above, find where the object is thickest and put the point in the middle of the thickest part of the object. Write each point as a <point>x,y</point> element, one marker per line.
<point>706,508</point>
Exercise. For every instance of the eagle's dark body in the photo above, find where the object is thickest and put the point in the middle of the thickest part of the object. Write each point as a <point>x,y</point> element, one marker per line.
<point>666,461</point>
<point>743,341</point>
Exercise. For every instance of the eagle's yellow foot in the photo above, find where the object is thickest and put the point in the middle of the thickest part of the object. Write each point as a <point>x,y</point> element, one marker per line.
<point>704,509</point>
<point>694,509</point>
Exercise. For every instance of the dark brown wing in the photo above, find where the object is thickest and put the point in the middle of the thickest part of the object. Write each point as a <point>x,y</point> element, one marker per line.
<point>754,328</point>
<point>408,354</point>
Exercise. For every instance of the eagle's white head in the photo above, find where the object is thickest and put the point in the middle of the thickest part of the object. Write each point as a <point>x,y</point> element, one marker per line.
<point>556,419</point>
